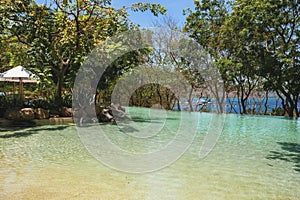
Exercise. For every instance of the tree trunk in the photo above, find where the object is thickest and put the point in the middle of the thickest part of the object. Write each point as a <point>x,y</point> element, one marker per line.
<point>239,102</point>
<point>190,100</point>
<point>60,74</point>
<point>178,104</point>
<point>243,101</point>
<point>231,106</point>
<point>159,95</point>
<point>289,104</point>
<point>244,107</point>
<point>296,99</point>
<point>59,86</point>
<point>266,103</point>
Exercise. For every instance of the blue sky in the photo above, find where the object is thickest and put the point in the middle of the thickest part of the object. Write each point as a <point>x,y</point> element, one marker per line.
<point>174,9</point>
<point>146,19</point>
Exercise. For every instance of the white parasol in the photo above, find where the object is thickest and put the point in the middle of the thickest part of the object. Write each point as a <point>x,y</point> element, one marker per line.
<point>19,74</point>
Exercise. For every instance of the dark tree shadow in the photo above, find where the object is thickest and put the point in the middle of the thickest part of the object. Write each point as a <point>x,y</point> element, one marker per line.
<point>32,131</point>
<point>152,120</point>
<point>140,119</point>
<point>127,128</point>
<point>16,125</point>
<point>290,153</point>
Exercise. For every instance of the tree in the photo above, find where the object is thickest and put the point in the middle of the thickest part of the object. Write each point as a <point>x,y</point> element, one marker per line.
<point>253,42</point>
<point>168,56</point>
<point>12,53</point>
<point>240,65</point>
<point>60,35</point>
<point>274,27</point>
<point>204,25</point>
<point>176,53</point>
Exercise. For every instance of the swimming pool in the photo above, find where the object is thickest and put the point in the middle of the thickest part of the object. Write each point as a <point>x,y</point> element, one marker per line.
<point>255,157</point>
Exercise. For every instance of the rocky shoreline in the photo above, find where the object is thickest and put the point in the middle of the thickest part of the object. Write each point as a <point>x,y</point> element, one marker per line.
<point>65,115</point>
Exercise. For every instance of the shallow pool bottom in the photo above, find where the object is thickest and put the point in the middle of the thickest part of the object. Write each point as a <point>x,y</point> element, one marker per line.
<point>254,158</point>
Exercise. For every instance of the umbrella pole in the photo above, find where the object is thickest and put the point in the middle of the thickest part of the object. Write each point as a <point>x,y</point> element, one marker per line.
<point>21,90</point>
<point>14,89</point>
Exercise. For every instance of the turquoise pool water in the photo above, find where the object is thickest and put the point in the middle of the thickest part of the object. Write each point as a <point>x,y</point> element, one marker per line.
<point>255,158</point>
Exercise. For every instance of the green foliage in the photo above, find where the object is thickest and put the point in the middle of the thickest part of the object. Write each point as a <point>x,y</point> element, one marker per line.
<point>278,112</point>
<point>153,95</point>
<point>54,39</point>
<point>42,103</point>
<point>156,9</point>
<point>255,44</point>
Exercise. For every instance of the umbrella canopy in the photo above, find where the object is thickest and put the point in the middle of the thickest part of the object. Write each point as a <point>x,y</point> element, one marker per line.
<point>18,80</point>
<point>19,74</point>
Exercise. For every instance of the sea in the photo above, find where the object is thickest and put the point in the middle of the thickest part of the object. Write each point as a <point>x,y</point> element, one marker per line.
<point>233,105</point>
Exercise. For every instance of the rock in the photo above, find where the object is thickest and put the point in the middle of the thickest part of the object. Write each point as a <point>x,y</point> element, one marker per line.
<point>91,114</point>
<point>103,114</point>
<point>61,112</point>
<point>118,112</point>
<point>61,119</point>
<point>40,113</point>
<point>25,114</point>
<point>54,112</point>
<point>117,107</point>
<point>65,112</point>
<point>85,115</point>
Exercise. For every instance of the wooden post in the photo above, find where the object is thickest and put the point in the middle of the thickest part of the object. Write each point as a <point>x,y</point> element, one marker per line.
<point>14,89</point>
<point>21,90</point>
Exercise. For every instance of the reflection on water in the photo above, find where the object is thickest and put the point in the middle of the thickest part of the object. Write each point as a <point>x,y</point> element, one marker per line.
<point>255,158</point>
